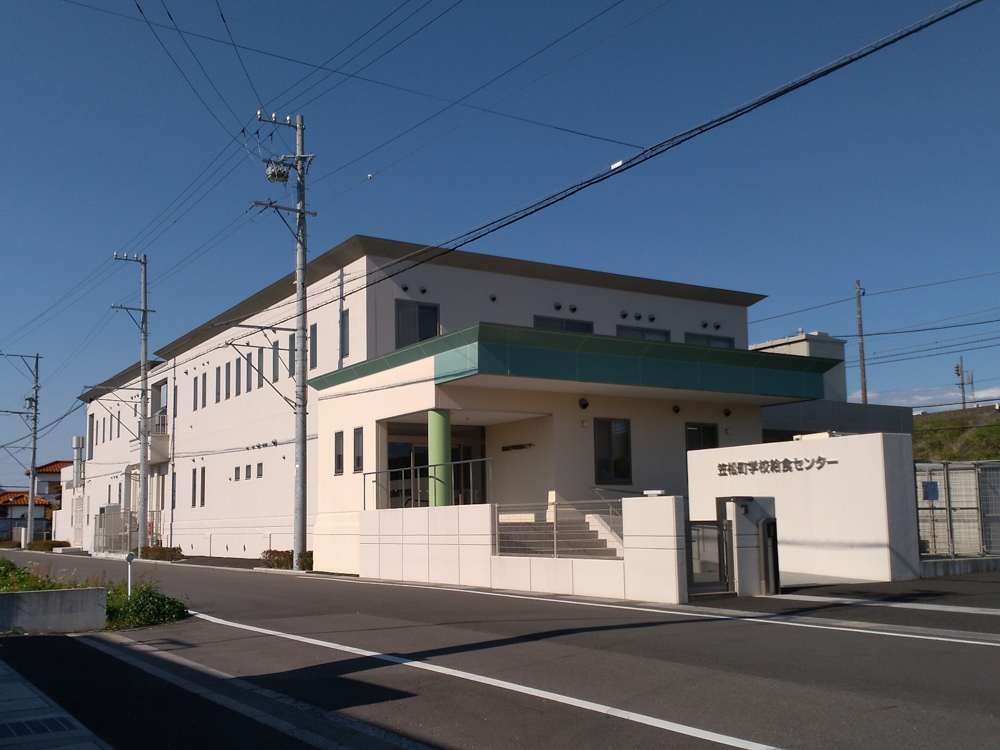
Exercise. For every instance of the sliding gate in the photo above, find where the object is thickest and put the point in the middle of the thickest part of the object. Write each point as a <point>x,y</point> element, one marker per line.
<point>710,565</point>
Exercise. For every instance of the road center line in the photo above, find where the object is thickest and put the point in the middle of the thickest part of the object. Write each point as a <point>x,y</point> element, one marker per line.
<point>566,700</point>
<point>791,621</point>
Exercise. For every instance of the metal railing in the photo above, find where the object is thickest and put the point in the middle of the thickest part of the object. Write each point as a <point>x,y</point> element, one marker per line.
<point>8,526</point>
<point>958,508</point>
<point>412,486</point>
<point>160,424</point>
<point>583,528</point>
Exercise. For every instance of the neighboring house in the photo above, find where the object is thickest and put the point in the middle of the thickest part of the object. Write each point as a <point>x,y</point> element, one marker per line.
<point>832,413</point>
<point>565,379</point>
<point>14,513</point>
<point>48,481</point>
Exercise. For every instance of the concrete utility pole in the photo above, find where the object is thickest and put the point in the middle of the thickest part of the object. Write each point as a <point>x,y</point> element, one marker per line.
<point>30,416</point>
<point>858,292</point>
<point>277,171</point>
<point>960,371</point>
<point>142,502</point>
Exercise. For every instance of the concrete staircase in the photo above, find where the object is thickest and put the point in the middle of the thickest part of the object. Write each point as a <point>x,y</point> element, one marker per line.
<point>575,539</point>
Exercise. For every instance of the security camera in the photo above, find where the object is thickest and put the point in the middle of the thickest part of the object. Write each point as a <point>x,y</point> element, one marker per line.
<point>584,403</point>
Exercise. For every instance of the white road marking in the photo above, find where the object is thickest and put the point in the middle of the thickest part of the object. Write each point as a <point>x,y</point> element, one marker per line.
<point>900,605</point>
<point>566,700</point>
<point>784,620</point>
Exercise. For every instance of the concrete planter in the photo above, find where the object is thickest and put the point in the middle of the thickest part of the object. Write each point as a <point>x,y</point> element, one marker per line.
<point>55,611</point>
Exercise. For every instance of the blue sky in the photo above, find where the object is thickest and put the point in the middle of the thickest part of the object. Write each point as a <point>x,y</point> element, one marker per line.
<point>886,171</point>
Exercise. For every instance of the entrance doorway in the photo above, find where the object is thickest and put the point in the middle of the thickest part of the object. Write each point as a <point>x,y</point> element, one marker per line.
<point>409,473</point>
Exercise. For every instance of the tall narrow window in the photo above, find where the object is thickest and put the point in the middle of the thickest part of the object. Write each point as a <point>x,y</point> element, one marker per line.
<point>204,389</point>
<point>246,474</point>
<point>104,429</point>
<point>175,401</point>
<point>359,446</point>
<point>236,477</point>
<point>312,347</point>
<point>173,490</point>
<point>260,367</point>
<point>228,366</point>
<point>194,394</point>
<point>194,488</point>
<point>218,384</point>
<point>249,371</point>
<point>239,377</point>
<point>612,451</point>
<point>275,361</point>
<point>415,321</point>
<point>118,427</point>
<point>699,435</point>
<point>345,333</point>
<point>338,453</point>
<point>260,470</point>
<point>291,354</point>
<point>201,500</point>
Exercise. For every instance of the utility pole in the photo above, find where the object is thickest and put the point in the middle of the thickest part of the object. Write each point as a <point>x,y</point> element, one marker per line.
<point>30,415</point>
<point>960,372</point>
<point>142,502</point>
<point>858,293</point>
<point>277,171</point>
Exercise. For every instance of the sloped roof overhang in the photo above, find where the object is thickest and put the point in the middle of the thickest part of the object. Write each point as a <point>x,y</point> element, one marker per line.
<point>502,356</point>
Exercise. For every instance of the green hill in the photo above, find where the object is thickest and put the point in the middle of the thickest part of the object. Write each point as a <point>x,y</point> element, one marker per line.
<point>969,435</point>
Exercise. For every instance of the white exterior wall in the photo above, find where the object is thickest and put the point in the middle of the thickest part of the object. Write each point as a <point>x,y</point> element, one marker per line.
<point>464,299</point>
<point>853,518</point>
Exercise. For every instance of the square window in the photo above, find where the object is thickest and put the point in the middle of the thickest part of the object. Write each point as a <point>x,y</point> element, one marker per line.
<point>416,321</point>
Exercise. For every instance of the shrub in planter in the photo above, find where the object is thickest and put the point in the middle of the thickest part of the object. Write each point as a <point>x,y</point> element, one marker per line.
<point>170,554</point>
<point>46,545</point>
<point>148,606</point>
<point>306,560</point>
<point>8,544</point>
<point>276,558</point>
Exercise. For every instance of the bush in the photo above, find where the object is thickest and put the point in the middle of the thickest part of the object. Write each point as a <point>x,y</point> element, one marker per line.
<point>147,606</point>
<point>46,545</point>
<point>280,559</point>
<point>14,577</point>
<point>170,554</point>
<point>306,560</point>
<point>9,544</point>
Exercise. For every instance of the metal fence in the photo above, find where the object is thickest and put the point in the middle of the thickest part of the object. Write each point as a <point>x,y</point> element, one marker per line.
<point>586,528</point>
<point>958,508</point>
<point>116,531</point>
<point>42,530</point>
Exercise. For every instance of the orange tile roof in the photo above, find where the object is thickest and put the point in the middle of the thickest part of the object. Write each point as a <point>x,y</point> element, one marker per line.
<point>52,467</point>
<point>20,498</point>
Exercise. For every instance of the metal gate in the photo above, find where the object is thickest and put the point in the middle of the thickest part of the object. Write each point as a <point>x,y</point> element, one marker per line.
<point>709,562</point>
<point>958,507</point>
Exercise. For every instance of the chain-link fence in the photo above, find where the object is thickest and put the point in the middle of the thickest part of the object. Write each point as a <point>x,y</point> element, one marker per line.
<point>958,507</point>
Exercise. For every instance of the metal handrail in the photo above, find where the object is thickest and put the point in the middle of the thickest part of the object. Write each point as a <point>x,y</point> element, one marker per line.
<point>553,529</point>
<point>412,474</point>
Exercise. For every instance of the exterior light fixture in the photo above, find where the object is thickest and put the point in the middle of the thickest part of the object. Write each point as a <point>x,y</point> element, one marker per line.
<point>727,412</point>
<point>652,318</point>
<point>405,287</point>
<point>572,308</point>
<point>638,316</point>
<point>717,326</point>
<point>676,409</point>
<point>624,315</point>
<point>493,298</point>
<point>704,324</point>
<point>423,290</point>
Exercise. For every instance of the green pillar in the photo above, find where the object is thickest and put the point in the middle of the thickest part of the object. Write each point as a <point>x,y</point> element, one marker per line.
<point>439,452</point>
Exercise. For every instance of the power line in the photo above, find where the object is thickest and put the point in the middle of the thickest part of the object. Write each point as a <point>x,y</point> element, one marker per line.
<point>899,332</point>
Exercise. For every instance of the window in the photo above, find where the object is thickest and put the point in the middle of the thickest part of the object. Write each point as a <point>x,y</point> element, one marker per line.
<point>612,451</point>
<point>291,355</point>
<point>194,394</point>
<point>204,389</point>
<point>338,453</point>
<point>564,324</point>
<point>118,428</point>
<point>236,478</point>
<point>312,346</point>
<point>359,446</point>
<point>201,500</point>
<point>703,339</point>
<point>249,371</point>
<point>218,384</point>
<point>260,470</point>
<point>104,429</point>
<point>91,436</point>
<point>228,366</point>
<point>699,435</point>
<point>239,377</point>
<point>275,361</point>
<point>175,402</point>
<point>260,367</point>
<point>247,474</point>
<point>173,490</point>
<point>194,488</point>
<point>415,321</point>
<point>345,333</point>
<point>646,334</point>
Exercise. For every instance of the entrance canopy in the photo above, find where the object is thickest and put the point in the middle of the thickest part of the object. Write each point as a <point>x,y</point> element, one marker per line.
<point>502,356</point>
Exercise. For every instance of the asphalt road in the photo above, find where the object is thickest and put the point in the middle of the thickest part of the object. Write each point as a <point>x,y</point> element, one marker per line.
<point>366,664</point>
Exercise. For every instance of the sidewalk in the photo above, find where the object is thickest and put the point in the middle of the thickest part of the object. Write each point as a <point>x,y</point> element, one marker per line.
<point>30,719</point>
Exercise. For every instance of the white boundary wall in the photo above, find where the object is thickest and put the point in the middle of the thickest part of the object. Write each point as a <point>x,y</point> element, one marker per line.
<point>846,506</point>
<point>454,545</point>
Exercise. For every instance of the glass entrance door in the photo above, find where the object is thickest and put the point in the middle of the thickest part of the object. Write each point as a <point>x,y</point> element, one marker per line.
<point>407,475</point>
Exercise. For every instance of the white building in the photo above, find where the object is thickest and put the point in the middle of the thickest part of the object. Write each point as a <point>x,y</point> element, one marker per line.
<point>562,379</point>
